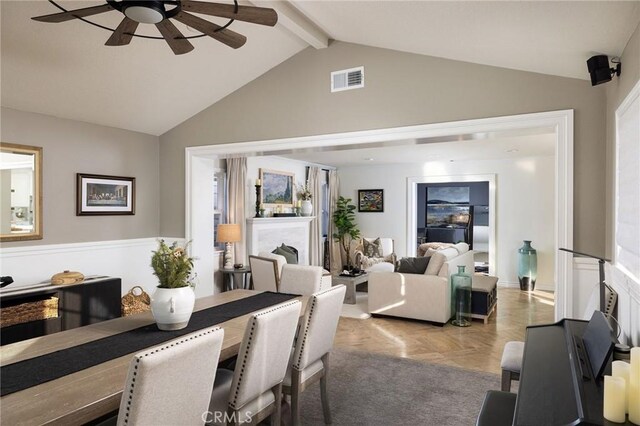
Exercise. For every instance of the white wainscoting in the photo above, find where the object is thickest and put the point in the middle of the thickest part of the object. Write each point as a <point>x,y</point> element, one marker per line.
<point>586,279</point>
<point>628,302</point>
<point>585,287</point>
<point>126,259</point>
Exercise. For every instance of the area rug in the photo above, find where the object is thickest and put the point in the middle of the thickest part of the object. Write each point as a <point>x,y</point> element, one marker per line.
<point>371,389</point>
<point>360,310</point>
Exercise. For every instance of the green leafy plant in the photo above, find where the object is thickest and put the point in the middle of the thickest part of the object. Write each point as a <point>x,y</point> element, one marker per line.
<point>172,265</point>
<point>346,229</point>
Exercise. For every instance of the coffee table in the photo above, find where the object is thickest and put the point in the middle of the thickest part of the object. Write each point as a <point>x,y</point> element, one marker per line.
<point>350,283</point>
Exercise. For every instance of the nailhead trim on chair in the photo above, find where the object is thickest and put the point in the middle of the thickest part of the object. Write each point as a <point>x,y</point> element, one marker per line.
<point>158,349</point>
<point>314,300</point>
<point>245,355</point>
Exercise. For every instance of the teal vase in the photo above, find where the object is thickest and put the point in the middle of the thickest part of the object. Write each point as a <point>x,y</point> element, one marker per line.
<point>527,266</point>
<point>461,287</point>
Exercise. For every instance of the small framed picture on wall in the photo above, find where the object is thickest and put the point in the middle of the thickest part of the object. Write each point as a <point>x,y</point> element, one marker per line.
<point>104,195</point>
<point>370,200</point>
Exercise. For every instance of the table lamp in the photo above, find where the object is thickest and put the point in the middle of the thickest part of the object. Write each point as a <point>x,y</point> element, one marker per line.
<point>229,233</point>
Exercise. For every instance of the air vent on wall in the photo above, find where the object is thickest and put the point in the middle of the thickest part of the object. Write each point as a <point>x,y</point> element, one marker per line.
<point>353,78</point>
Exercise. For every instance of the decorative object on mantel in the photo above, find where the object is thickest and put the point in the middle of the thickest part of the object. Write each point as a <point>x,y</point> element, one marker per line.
<point>172,302</point>
<point>259,209</point>
<point>277,188</point>
<point>105,195</point>
<point>228,233</point>
<point>370,200</point>
<point>634,386</point>
<point>67,278</point>
<point>284,215</point>
<point>527,266</point>
<point>346,228</point>
<point>161,13</point>
<point>304,200</point>
<point>132,303</point>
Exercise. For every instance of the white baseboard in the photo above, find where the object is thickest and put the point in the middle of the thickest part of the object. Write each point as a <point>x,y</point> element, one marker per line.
<point>516,284</point>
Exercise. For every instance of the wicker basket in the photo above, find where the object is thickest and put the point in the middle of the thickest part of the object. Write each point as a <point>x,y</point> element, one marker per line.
<point>29,311</point>
<point>133,303</point>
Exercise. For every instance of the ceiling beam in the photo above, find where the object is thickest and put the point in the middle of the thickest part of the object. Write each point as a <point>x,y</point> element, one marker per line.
<point>296,22</point>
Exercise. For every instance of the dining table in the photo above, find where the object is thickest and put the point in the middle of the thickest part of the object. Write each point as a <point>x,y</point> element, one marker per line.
<point>94,392</point>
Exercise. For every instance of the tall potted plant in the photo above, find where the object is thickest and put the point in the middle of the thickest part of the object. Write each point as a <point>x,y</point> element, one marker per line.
<point>172,302</point>
<point>346,229</point>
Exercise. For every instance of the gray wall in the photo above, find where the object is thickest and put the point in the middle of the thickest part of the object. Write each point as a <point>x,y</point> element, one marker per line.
<point>294,99</point>
<point>71,147</point>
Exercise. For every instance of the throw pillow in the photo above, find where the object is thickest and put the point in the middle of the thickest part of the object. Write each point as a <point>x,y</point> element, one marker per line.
<point>292,259</point>
<point>372,248</point>
<point>290,249</point>
<point>413,265</point>
<point>435,264</point>
<point>430,252</point>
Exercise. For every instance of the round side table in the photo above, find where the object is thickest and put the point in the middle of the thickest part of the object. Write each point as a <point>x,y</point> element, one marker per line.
<point>235,279</point>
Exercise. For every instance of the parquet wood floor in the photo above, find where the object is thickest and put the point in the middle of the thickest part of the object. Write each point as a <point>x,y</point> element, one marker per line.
<point>478,347</point>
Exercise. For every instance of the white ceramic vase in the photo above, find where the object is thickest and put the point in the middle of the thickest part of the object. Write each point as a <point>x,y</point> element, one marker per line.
<point>306,208</point>
<point>172,307</point>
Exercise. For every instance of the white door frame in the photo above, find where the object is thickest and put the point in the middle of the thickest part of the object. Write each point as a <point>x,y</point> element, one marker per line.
<point>412,206</point>
<point>560,121</point>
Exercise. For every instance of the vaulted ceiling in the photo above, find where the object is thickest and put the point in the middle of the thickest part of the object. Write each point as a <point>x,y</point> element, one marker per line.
<point>65,70</point>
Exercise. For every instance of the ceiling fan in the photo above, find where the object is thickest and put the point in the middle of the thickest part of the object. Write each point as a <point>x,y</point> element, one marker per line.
<point>160,13</point>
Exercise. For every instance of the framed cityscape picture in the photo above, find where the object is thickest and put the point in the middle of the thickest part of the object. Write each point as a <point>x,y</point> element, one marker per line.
<point>277,188</point>
<point>370,200</point>
<point>104,195</point>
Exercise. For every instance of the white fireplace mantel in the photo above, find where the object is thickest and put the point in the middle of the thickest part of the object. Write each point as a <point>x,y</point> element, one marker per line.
<point>267,233</point>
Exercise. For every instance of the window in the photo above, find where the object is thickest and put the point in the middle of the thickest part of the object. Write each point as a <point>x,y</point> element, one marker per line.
<point>627,223</point>
<point>324,198</point>
<point>219,201</point>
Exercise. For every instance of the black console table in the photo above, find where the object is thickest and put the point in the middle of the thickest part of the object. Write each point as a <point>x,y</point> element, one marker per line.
<point>94,300</point>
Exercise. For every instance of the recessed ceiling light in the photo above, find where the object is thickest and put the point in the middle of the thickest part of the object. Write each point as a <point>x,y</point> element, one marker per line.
<point>368,159</point>
<point>512,150</point>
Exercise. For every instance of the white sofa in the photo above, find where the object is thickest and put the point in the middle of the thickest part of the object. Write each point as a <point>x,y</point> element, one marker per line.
<point>419,296</point>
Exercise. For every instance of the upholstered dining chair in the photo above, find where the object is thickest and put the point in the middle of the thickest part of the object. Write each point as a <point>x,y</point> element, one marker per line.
<point>150,396</point>
<point>310,360</point>
<point>300,279</point>
<point>265,274</point>
<point>253,391</point>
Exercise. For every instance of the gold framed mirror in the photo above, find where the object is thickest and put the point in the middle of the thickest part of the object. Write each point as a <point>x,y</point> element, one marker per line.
<point>20,192</point>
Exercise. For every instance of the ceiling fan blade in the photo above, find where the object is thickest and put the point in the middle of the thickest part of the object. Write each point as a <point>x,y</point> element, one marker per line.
<point>123,34</point>
<point>226,36</point>
<point>174,37</point>
<point>255,15</point>
<point>73,14</point>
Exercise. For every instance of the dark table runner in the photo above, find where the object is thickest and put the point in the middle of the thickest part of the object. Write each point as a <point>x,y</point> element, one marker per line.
<point>34,371</point>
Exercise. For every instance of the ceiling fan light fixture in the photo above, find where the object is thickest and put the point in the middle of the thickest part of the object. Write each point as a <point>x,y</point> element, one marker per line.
<point>145,12</point>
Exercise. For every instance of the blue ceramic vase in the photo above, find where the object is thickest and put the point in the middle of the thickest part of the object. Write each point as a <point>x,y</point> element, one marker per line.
<point>527,266</point>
